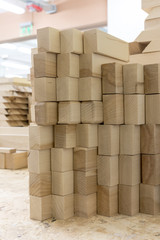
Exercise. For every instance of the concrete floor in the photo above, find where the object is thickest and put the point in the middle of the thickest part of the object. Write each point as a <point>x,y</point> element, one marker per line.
<point>15,223</point>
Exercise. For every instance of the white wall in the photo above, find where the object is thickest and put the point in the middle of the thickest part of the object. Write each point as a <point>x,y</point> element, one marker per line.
<point>125,19</point>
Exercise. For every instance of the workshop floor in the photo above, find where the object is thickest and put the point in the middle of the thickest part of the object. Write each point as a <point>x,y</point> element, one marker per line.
<point>15,222</point>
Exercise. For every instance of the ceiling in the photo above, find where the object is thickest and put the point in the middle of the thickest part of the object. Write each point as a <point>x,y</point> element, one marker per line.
<point>15,58</point>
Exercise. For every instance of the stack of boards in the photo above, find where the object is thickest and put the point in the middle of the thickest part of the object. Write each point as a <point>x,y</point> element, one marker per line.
<point>12,159</point>
<point>96,121</point>
<point>14,102</point>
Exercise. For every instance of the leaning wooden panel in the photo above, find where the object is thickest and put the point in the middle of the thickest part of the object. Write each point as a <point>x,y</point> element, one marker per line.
<point>96,41</point>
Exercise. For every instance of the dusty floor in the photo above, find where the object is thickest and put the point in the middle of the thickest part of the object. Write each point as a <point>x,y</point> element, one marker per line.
<point>15,223</point>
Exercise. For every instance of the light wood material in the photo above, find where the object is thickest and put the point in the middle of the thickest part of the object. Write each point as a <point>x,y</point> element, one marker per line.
<point>153,46</point>
<point>129,139</point>
<point>46,113</point>
<point>107,200</point>
<point>71,41</point>
<point>85,205</point>
<point>148,36</point>
<point>16,160</point>
<point>152,78</point>
<point>108,140</point>
<point>68,65</point>
<point>147,5</point>
<point>89,89</point>
<point>129,170</point>
<point>40,184</point>
<point>39,161</point>
<point>154,13</point>
<point>2,160</point>
<point>48,40</point>
<point>40,208</point>
<point>151,169</point>
<point>149,199</point>
<point>61,159</point>
<point>90,64</point>
<point>129,200</point>
<point>85,158</point>
<point>145,58</point>
<point>92,112</point>
<point>69,113</point>
<point>150,139</point>
<point>7,150</point>
<point>152,109</point>
<point>18,141</point>
<point>136,48</point>
<point>62,183</point>
<point>65,136</point>
<point>87,135</point>
<point>107,170</point>
<point>113,109</point>
<point>67,89</point>
<point>85,182</point>
<point>133,78</point>
<point>134,106</point>
<point>112,78</point>
<point>63,206</point>
<point>40,137</point>
<point>151,24</point>
<point>45,89</point>
<point>45,65</point>
<point>96,41</point>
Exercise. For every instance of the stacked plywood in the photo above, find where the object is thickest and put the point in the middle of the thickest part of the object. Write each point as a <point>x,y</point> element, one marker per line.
<point>67,100</point>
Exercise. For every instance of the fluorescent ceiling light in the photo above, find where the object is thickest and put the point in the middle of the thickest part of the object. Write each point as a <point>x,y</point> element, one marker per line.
<point>24,50</point>
<point>14,6</point>
<point>9,46</point>
<point>15,65</point>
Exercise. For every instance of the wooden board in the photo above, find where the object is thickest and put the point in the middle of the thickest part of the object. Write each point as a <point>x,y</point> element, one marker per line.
<point>96,41</point>
<point>16,160</point>
<point>62,183</point>
<point>13,117</point>
<point>4,99</point>
<point>69,113</point>
<point>92,112</point>
<point>63,206</point>
<point>7,150</point>
<point>154,13</point>
<point>14,123</point>
<point>46,113</point>
<point>87,135</point>
<point>67,89</point>
<point>148,36</point>
<point>20,142</point>
<point>152,24</point>
<point>85,205</point>
<point>153,46</point>
<point>61,159</point>
<point>13,106</point>
<point>147,5</point>
<point>65,136</point>
<point>146,58</point>
<point>13,111</point>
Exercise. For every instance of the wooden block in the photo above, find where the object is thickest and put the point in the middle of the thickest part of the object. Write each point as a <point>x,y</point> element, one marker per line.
<point>89,89</point>
<point>154,13</point>
<point>147,5</point>
<point>153,46</point>
<point>45,65</point>
<point>62,183</point>
<point>96,41</point>
<point>136,48</point>
<point>90,64</point>
<point>40,137</point>
<point>134,106</point>
<point>71,41</point>
<point>152,24</point>
<point>7,150</point>
<point>112,78</point>
<point>145,58</point>
<point>113,109</point>
<point>68,65</point>
<point>151,169</point>
<point>87,135</point>
<point>2,160</point>
<point>32,112</point>
<point>40,208</point>
<point>20,142</point>
<point>129,169</point>
<point>133,78</point>
<point>67,89</point>
<point>16,160</point>
<point>107,170</point>
<point>129,199</point>
<point>63,206</point>
<point>108,142</point>
<point>65,136</point>
<point>33,51</point>
<point>85,182</point>
<point>48,40</point>
<point>152,109</point>
<point>46,113</point>
<point>45,89</point>
<point>40,184</point>
<point>85,205</point>
<point>92,112</point>
<point>85,158</point>
<point>149,199</point>
<point>152,78</point>
<point>148,36</point>
<point>129,139</point>
<point>107,200</point>
<point>39,161</point>
<point>69,113</point>
<point>61,159</point>
<point>150,139</point>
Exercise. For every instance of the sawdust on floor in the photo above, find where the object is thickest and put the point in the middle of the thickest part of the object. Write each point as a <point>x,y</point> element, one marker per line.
<point>15,223</point>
